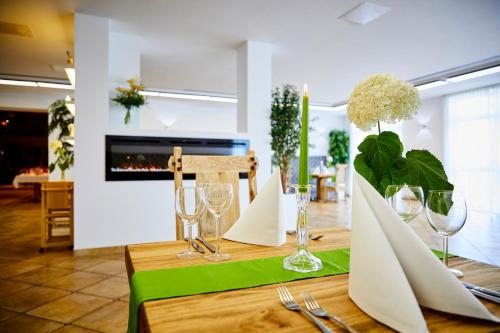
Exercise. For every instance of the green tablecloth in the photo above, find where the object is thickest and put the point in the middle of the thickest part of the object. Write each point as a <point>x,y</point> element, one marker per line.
<point>207,278</point>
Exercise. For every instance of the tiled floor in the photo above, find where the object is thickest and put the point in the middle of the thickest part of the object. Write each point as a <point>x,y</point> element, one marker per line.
<point>60,291</point>
<point>57,291</point>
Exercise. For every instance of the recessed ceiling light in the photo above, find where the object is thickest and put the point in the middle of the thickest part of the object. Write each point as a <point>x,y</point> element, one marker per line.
<point>364,13</point>
<point>55,85</point>
<point>195,97</point>
<point>430,85</point>
<point>476,74</point>
<point>18,83</point>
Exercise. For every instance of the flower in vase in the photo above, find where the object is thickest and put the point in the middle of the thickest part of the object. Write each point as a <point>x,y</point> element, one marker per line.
<point>382,97</point>
<point>55,145</point>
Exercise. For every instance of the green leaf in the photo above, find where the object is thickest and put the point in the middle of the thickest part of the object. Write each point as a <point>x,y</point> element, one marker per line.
<point>380,152</point>
<point>364,170</point>
<point>381,163</point>
<point>425,170</point>
<point>52,166</point>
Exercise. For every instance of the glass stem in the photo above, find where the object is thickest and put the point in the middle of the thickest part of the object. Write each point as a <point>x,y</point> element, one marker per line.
<point>445,251</point>
<point>302,232</point>
<point>217,234</point>
<point>190,237</point>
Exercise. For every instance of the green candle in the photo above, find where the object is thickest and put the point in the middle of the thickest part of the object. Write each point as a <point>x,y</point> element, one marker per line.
<point>304,144</point>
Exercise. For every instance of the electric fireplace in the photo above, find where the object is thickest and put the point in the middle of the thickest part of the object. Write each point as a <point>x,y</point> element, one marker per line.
<point>146,158</point>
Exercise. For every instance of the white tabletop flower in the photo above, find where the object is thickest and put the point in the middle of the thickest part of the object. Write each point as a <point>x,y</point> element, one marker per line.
<point>382,97</point>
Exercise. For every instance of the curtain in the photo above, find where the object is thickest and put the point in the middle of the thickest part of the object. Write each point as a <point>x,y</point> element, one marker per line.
<point>472,148</point>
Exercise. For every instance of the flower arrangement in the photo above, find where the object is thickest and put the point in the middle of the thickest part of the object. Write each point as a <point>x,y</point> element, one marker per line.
<point>130,97</point>
<point>381,162</point>
<point>61,119</point>
<point>64,153</point>
<point>382,97</point>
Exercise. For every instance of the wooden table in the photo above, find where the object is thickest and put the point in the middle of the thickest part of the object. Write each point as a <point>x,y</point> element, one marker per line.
<point>259,309</point>
<point>321,179</point>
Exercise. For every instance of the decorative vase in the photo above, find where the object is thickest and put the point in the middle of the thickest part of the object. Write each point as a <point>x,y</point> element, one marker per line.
<point>63,174</point>
<point>302,260</point>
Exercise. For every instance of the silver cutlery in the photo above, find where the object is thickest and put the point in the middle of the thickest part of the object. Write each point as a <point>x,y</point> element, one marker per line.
<point>289,303</point>
<point>482,289</point>
<point>483,292</point>
<point>207,244</point>
<point>196,246</point>
<point>311,236</point>
<point>318,311</point>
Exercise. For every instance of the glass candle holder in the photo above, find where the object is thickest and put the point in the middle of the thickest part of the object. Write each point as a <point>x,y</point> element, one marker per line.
<point>302,260</point>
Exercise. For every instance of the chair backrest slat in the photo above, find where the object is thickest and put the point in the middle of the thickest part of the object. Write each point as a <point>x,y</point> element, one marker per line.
<point>215,169</point>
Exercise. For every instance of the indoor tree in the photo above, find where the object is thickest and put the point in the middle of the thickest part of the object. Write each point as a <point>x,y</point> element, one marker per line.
<point>62,120</point>
<point>339,147</point>
<point>285,128</point>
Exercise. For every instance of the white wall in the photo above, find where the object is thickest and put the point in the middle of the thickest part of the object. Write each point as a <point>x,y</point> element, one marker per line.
<point>323,122</point>
<point>426,129</point>
<point>184,115</point>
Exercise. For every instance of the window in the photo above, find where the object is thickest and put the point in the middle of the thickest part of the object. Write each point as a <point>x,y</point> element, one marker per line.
<point>472,148</point>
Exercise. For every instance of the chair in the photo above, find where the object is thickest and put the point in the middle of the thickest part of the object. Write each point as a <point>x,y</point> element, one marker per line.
<point>215,169</point>
<point>57,212</point>
<point>340,181</point>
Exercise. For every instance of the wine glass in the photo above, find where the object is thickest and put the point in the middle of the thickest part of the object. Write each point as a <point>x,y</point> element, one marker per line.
<point>189,207</point>
<point>218,198</point>
<point>446,212</point>
<point>406,200</point>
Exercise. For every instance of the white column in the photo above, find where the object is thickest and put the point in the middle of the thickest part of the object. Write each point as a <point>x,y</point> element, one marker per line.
<point>124,64</point>
<point>254,101</point>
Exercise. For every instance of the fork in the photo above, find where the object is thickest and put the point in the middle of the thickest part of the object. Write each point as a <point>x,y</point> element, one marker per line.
<point>318,311</point>
<point>289,303</point>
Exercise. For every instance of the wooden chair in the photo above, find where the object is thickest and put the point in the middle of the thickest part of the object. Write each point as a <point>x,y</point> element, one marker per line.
<point>215,169</point>
<point>340,181</point>
<point>57,211</point>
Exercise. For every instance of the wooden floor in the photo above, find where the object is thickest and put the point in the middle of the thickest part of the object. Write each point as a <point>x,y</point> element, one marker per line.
<point>62,291</point>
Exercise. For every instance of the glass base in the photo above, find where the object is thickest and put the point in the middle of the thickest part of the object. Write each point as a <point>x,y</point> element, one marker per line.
<point>456,272</point>
<point>302,261</point>
<point>188,254</point>
<point>218,257</point>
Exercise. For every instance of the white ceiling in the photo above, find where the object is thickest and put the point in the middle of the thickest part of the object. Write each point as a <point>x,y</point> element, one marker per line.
<point>191,45</point>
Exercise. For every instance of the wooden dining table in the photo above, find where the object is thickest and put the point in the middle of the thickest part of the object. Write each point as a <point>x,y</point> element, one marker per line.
<point>259,309</point>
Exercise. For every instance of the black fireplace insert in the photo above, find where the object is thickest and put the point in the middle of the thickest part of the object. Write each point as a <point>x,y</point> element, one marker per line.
<point>146,158</point>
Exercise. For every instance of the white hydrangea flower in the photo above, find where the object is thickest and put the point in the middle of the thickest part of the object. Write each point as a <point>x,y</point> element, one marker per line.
<point>382,97</point>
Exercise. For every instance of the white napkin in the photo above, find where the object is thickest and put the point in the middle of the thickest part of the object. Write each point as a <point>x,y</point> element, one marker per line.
<point>392,270</point>
<point>263,222</point>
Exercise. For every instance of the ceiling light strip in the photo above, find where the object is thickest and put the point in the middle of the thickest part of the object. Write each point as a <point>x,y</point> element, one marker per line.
<point>431,85</point>
<point>475,74</point>
<point>40,84</point>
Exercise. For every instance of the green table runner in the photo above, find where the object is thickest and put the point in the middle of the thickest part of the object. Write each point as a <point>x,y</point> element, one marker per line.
<point>207,278</point>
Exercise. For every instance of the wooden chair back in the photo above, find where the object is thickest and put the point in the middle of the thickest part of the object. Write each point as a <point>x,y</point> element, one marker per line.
<point>57,196</point>
<point>215,169</point>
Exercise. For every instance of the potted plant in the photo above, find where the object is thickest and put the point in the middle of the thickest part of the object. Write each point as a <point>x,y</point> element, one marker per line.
<point>339,147</point>
<point>130,97</point>
<point>380,161</point>
<point>285,129</point>
<point>62,120</point>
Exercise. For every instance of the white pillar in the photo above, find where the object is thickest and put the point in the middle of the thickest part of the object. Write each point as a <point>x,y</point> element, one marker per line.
<point>124,64</point>
<point>254,101</point>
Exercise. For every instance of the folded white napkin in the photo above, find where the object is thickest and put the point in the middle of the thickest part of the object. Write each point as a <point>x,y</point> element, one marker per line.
<point>263,222</point>
<point>392,270</point>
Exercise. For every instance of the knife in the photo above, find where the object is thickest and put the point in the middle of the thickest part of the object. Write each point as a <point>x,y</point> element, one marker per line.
<point>206,243</point>
<point>196,246</point>
<point>485,296</point>
<point>482,290</point>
